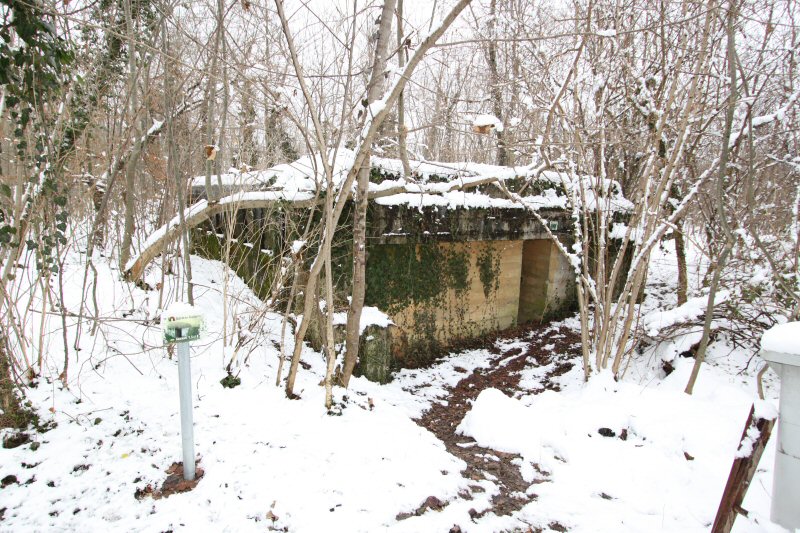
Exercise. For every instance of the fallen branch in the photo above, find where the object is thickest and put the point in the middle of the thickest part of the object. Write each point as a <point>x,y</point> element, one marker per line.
<point>198,213</point>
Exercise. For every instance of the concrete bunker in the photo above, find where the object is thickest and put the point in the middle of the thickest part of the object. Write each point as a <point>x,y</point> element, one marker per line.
<point>445,267</point>
<point>445,275</point>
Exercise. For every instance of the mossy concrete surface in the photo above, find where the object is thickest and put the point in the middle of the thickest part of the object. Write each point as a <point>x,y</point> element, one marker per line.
<point>441,293</point>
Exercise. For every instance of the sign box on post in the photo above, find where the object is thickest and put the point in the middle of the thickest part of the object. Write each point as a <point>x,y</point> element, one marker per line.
<point>183,323</point>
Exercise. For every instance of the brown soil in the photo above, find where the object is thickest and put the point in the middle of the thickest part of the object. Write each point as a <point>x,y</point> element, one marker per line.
<point>443,418</point>
<point>174,484</point>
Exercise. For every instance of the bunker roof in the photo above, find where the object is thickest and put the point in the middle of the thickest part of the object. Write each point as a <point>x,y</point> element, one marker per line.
<point>431,184</point>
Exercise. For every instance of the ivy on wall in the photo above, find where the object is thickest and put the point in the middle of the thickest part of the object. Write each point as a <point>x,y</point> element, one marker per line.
<point>488,263</point>
<point>399,275</point>
<point>433,280</point>
<point>430,279</point>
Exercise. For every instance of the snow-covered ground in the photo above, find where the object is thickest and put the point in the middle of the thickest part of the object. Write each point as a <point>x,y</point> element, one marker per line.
<point>271,462</point>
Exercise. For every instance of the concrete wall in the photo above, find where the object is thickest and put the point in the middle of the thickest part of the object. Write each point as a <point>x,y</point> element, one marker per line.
<point>509,282</point>
<point>534,280</point>
<point>489,302</point>
<point>547,284</point>
<point>562,295</point>
<point>395,224</point>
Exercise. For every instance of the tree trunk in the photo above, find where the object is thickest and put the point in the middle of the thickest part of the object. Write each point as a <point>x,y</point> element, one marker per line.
<point>497,97</point>
<point>174,172</point>
<point>330,340</point>
<point>130,169</point>
<point>680,253</point>
<point>374,91</point>
<point>211,95</point>
<point>720,199</point>
<point>402,131</point>
<point>13,415</point>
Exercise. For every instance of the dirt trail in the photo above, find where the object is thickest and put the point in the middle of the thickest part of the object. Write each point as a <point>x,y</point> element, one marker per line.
<point>545,346</point>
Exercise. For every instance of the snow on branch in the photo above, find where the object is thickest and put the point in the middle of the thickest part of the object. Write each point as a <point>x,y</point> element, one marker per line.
<point>762,120</point>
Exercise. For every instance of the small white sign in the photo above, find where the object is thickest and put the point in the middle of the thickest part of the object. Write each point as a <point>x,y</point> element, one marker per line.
<point>181,323</point>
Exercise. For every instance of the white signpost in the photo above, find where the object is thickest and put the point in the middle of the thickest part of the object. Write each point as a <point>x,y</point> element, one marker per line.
<point>182,323</point>
<point>780,347</point>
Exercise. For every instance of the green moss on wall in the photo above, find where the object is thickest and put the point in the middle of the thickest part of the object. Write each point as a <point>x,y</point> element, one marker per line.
<point>424,345</point>
<point>488,263</point>
<point>261,236</point>
<point>255,265</point>
<point>400,275</point>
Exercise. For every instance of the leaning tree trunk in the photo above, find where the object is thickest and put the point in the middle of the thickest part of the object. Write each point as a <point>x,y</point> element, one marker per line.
<point>130,170</point>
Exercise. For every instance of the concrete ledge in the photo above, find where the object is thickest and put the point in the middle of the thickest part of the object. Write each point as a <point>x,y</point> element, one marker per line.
<point>400,224</point>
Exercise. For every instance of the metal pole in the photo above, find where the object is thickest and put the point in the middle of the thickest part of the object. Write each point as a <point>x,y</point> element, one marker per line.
<point>185,391</point>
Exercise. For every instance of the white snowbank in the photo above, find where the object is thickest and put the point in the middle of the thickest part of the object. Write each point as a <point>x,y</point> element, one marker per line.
<point>666,475</point>
<point>267,456</point>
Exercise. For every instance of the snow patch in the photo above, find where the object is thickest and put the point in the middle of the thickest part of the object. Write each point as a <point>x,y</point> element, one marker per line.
<point>370,316</point>
<point>691,310</point>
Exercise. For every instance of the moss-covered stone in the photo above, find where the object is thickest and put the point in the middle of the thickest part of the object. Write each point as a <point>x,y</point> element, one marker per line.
<point>375,354</point>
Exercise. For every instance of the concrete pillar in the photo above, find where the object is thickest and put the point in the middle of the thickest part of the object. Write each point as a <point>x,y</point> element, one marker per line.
<point>780,347</point>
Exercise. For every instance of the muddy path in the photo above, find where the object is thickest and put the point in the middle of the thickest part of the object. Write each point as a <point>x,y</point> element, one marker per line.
<point>541,346</point>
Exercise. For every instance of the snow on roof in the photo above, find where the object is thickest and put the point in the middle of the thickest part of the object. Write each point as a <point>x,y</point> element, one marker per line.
<point>431,183</point>
<point>481,121</point>
<point>782,338</point>
<point>296,176</point>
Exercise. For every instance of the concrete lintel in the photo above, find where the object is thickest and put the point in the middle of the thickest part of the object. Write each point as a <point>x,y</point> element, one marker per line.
<point>401,224</point>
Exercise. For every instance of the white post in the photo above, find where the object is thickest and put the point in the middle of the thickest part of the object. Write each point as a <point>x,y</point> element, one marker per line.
<point>780,347</point>
<point>185,392</point>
